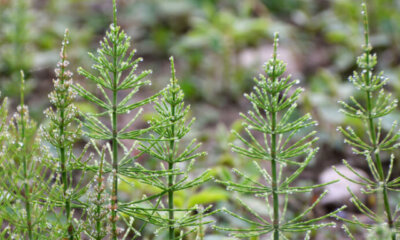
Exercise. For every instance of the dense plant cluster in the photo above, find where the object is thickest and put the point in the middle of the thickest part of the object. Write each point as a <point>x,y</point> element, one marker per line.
<point>53,186</point>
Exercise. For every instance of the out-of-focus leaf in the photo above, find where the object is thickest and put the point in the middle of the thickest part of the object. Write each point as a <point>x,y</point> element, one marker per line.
<point>207,196</point>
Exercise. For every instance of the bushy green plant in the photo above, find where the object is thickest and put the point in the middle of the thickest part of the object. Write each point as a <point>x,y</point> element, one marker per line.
<point>166,145</point>
<point>115,68</point>
<point>271,129</point>
<point>23,171</point>
<point>53,194</point>
<point>377,104</point>
<point>97,225</point>
<point>62,132</point>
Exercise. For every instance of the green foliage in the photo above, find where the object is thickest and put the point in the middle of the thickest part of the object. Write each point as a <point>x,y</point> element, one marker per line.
<point>23,169</point>
<point>62,132</point>
<point>52,194</point>
<point>271,129</point>
<point>220,35</point>
<point>166,145</point>
<point>4,138</point>
<point>97,225</point>
<point>377,103</point>
<point>3,122</point>
<point>115,68</point>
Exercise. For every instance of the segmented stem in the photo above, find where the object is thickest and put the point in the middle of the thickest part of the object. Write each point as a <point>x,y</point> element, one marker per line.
<point>171,156</point>
<point>273,154</point>
<point>114,194</point>
<point>372,127</point>
<point>63,158</point>
<point>100,189</point>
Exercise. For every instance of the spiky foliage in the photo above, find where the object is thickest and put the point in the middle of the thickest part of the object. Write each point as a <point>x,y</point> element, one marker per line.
<point>115,72</point>
<point>171,125</point>
<point>62,132</point>
<point>271,128</point>
<point>97,225</point>
<point>24,177</point>
<point>377,103</point>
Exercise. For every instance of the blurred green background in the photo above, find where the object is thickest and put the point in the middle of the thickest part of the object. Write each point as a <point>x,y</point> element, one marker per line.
<point>219,46</point>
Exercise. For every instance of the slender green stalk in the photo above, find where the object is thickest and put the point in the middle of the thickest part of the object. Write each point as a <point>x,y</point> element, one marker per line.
<point>171,160</point>
<point>100,189</point>
<point>274,178</point>
<point>171,202</point>
<point>371,120</point>
<point>273,155</point>
<point>378,104</point>
<point>63,158</point>
<point>372,127</point>
<point>114,195</point>
<point>24,162</point>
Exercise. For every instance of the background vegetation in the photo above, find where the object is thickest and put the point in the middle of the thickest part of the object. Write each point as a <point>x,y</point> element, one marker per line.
<point>218,45</point>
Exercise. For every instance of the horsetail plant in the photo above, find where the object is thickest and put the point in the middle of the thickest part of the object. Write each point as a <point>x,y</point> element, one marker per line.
<point>376,105</point>
<point>271,129</point>
<point>62,132</point>
<point>24,174</point>
<point>115,73</point>
<point>171,125</point>
<point>97,226</point>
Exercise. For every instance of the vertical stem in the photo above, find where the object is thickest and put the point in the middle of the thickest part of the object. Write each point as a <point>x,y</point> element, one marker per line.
<point>115,157</point>
<point>273,151</point>
<point>378,161</point>
<point>371,123</point>
<point>65,180</point>
<point>100,188</point>
<point>171,201</point>
<point>114,195</point>
<point>171,155</point>
<point>114,198</point>
<point>274,178</point>
<point>24,162</point>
